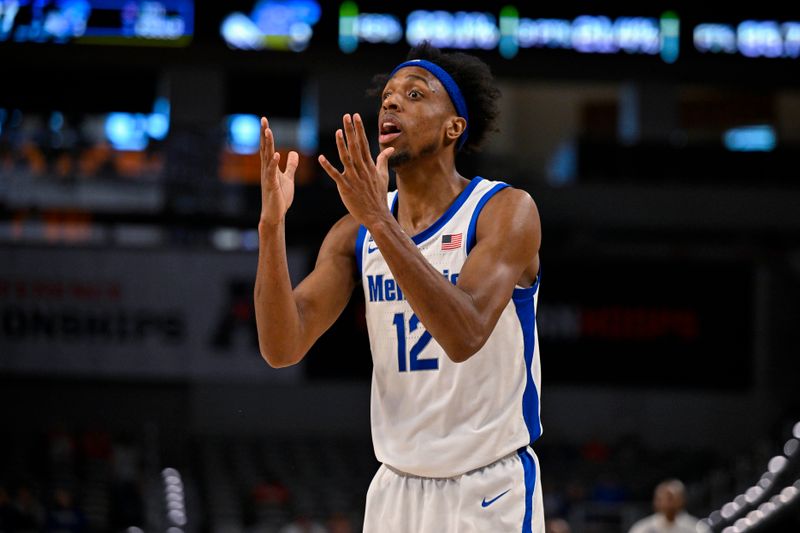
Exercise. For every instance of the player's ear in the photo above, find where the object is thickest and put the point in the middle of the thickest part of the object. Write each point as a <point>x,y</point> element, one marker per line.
<point>455,128</point>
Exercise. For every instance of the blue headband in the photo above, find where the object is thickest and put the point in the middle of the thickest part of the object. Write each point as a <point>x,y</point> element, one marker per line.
<point>450,86</point>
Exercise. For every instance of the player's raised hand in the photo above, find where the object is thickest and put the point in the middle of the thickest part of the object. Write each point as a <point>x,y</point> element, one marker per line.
<point>363,183</point>
<point>277,187</point>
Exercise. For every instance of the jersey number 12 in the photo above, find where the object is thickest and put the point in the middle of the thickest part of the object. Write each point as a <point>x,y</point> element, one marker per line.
<point>414,362</point>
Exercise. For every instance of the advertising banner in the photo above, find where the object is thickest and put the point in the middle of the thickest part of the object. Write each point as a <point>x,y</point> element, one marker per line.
<point>132,313</point>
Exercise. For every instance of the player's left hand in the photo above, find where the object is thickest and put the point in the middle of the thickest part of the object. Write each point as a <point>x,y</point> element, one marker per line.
<point>363,184</point>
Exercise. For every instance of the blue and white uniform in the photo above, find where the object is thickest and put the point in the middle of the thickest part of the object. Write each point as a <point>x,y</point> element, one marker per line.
<point>451,436</point>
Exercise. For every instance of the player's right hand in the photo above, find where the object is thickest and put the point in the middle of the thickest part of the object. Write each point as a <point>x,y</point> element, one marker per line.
<point>277,187</point>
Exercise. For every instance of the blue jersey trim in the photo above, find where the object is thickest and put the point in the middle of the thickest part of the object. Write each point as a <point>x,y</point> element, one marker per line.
<point>529,469</point>
<point>526,312</point>
<point>425,234</point>
<point>473,223</point>
<point>523,293</point>
<point>362,233</point>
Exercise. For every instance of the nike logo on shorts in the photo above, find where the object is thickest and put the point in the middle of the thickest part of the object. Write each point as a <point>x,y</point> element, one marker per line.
<point>484,503</point>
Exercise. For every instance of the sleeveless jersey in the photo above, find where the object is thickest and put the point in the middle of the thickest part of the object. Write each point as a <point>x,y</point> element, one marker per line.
<point>432,417</point>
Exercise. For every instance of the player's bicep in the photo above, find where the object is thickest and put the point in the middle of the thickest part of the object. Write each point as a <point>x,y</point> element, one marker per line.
<point>506,251</point>
<point>323,294</point>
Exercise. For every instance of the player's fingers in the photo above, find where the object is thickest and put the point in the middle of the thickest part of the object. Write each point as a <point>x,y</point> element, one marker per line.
<point>350,137</point>
<point>344,154</point>
<point>363,142</point>
<point>382,162</point>
<point>270,177</point>
<point>291,165</point>
<point>269,142</point>
<point>331,170</point>
<point>261,138</point>
<point>353,141</point>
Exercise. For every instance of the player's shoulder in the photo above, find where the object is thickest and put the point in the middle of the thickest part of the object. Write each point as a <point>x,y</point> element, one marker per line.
<point>508,203</point>
<point>509,195</point>
<point>513,194</point>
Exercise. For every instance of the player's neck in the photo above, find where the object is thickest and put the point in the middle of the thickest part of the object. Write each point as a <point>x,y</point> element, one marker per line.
<point>425,190</point>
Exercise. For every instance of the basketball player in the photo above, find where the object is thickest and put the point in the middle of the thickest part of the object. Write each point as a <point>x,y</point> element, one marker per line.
<point>449,267</point>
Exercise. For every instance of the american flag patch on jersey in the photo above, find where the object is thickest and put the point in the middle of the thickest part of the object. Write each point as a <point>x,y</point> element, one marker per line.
<point>451,242</point>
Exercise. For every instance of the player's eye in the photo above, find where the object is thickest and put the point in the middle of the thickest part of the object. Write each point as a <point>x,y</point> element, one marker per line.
<point>413,93</point>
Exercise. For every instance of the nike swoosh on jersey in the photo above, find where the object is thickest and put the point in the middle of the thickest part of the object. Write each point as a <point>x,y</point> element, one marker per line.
<point>370,250</point>
<point>484,503</point>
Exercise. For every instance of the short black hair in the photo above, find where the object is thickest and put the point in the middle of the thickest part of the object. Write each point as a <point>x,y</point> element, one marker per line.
<point>476,82</point>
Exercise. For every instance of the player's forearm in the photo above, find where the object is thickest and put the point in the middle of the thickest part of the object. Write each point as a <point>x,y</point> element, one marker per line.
<point>277,317</point>
<point>436,301</point>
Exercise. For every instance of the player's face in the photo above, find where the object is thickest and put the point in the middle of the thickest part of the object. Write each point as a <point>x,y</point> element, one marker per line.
<point>414,115</point>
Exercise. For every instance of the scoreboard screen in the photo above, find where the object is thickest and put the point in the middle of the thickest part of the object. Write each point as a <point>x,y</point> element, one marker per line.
<point>115,22</point>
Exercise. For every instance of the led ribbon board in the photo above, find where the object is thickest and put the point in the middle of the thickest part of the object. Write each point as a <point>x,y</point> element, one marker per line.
<point>508,33</point>
<point>750,38</point>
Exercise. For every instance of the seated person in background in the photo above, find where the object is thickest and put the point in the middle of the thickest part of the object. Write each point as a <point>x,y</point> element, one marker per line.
<point>556,525</point>
<point>669,501</point>
<point>65,516</point>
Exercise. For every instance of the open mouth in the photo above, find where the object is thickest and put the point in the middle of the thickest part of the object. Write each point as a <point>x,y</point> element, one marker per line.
<point>389,131</point>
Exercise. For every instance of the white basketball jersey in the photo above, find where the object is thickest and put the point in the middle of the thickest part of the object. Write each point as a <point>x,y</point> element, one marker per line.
<point>432,417</point>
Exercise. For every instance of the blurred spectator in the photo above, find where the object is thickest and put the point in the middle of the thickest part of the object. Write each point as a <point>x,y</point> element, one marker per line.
<point>609,489</point>
<point>127,505</point>
<point>268,502</point>
<point>125,459</point>
<point>27,513</point>
<point>669,501</point>
<point>61,446</point>
<point>556,525</point>
<point>303,525</point>
<point>270,493</point>
<point>65,517</point>
<point>340,523</point>
<point>575,493</point>
<point>554,499</point>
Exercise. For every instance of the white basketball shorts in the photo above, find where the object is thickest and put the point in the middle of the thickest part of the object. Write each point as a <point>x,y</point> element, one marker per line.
<point>503,497</point>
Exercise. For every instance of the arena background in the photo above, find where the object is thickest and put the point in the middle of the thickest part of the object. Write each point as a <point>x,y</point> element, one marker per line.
<point>660,142</point>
